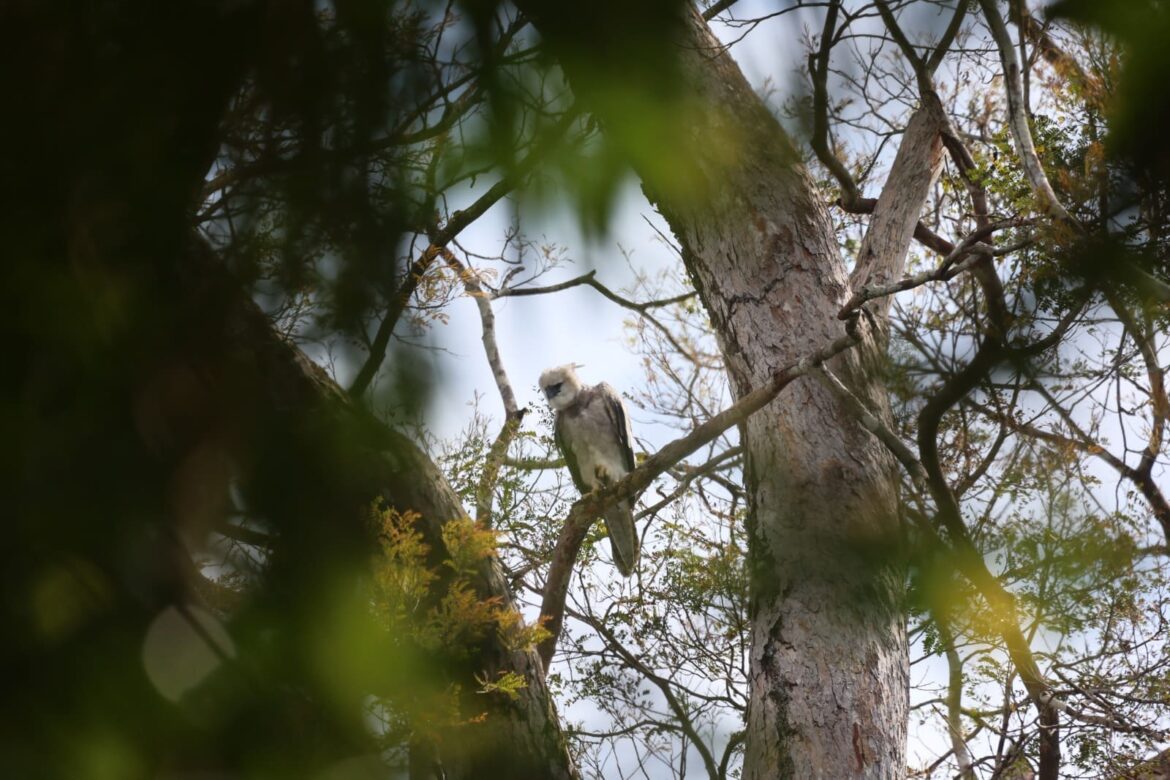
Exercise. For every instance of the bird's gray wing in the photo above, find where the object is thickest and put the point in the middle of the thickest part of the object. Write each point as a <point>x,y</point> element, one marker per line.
<point>567,451</point>
<point>615,409</point>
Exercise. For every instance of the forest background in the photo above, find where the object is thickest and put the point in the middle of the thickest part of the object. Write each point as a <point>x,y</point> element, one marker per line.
<point>888,312</point>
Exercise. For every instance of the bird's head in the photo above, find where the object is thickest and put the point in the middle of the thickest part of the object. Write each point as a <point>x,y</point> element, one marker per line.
<point>560,386</point>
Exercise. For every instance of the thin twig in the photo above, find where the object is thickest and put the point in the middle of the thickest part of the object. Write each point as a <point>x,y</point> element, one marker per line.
<point>440,238</point>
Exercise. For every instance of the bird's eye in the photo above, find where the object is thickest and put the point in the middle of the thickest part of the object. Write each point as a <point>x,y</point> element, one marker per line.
<point>552,390</point>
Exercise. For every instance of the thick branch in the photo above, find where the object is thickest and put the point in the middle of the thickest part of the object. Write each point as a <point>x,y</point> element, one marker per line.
<point>955,699</point>
<point>922,234</point>
<point>818,68</point>
<point>1018,116</point>
<point>971,562</point>
<point>882,255</point>
<point>926,471</point>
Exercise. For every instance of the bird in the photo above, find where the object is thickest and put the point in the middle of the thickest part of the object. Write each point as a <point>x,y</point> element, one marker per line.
<point>593,433</point>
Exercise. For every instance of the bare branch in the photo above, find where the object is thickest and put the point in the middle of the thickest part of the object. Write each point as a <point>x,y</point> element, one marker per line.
<point>1089,88</point>
<point>1159,403</point>
<point>916,62</point>
<point>1082,442</point>
<point>958,260</point>
<point>940,51</point>
<point>818,67</point>
<point>955,698</point>
<point>717,8</point>
<point>513,415</point>
<point>662,684</point>
<point>438,241</point>
<point>590,280</point>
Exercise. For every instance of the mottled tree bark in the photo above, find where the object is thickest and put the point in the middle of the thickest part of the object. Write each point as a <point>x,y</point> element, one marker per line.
<point>828,671</point>
<point>829,666</point>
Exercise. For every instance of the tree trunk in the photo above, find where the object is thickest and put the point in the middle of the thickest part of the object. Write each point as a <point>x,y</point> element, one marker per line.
<point>829,664</point>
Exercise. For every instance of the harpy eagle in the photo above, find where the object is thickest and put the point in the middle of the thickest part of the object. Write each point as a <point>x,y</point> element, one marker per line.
<point>593,432</point>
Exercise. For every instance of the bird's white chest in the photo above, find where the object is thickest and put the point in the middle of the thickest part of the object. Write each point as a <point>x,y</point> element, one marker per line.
<point>594,445</point>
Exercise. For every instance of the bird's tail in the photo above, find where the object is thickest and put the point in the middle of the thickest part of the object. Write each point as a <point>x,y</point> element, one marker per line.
<point>623,537</point>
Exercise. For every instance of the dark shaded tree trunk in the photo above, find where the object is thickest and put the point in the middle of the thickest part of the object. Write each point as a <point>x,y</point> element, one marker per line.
<point>142,379</point>
<point>519,738</point>
<point>111,122</point>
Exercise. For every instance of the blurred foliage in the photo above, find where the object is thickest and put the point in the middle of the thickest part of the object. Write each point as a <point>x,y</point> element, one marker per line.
<point>1140,106</point>
<point>150,411</point>
<point>438,630</point>
<point>404,588</point>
